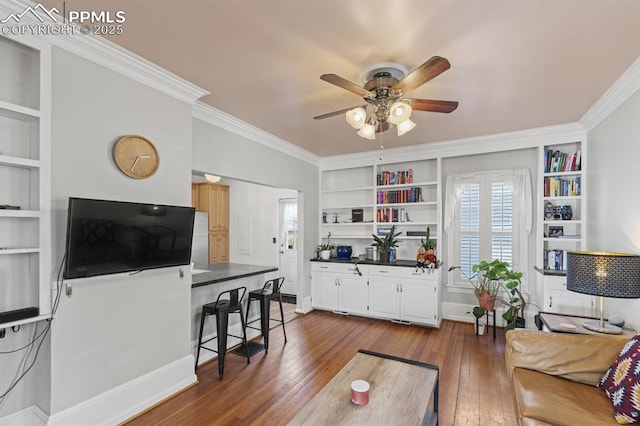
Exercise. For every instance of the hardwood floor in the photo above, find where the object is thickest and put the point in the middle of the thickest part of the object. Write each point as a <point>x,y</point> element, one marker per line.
<point>473,385</point>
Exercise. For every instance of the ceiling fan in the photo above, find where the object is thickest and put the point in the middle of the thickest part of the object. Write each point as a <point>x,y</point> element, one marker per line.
<point>384,86</point>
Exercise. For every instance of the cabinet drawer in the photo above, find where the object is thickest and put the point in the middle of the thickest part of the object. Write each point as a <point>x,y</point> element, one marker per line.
<point>555,282</point>
<point>417,273</point>
<point>324,267</point>
<point>351,269</point>
<point>384,271</point>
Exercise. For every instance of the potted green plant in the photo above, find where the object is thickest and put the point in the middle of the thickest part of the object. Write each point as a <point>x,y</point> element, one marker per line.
<point>385,244</point>
<point>488,278</point>
<point>324,249</point>
<point>426,256</point>
<point>516,304</point>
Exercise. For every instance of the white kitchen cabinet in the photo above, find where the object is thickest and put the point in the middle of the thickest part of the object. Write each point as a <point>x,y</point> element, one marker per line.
<point>560,300</point>
<point>391,292</point>
<point>339,288</point>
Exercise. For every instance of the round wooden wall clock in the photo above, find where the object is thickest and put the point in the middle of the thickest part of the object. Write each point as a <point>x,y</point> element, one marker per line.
<point>136,156</point>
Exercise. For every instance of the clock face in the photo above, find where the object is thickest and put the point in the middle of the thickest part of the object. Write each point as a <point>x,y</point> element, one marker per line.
<point>136,156</point>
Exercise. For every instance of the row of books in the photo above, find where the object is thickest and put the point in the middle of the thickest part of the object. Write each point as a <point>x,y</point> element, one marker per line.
<point>395,178</point>
<point>555,260</point>
<point>556,161</point>
<point>409,195</point>
<point>392,215</point>
<point>562,187</point>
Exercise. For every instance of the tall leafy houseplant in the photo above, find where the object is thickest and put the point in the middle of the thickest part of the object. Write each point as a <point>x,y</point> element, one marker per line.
<point>385,244</point>
<point>489,277</point>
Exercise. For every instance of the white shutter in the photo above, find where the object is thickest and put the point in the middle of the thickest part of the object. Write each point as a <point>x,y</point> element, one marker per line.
<point>502,221</point>
<point>469,248</point>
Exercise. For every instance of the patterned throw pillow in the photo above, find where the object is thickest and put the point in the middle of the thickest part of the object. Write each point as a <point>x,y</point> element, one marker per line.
<point>621,382</point>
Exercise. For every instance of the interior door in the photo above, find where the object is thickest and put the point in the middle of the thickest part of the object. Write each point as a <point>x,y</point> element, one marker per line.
<point>289,245</point>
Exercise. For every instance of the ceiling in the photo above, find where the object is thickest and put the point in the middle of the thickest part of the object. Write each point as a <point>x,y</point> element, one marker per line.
<point>515,65</point>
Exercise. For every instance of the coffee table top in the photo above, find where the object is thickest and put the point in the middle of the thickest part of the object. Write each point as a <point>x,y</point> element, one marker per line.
<point>400,393</point>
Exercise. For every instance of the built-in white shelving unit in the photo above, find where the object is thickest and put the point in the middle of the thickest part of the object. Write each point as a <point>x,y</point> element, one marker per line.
<point>405,194</point>
<point>25,172</point>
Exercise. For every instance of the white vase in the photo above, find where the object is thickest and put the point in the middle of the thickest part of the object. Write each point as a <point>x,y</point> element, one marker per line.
<point>480,329</point>
<point>325,254</point>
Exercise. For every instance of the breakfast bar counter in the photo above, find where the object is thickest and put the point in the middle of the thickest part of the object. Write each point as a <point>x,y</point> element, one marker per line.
<point>221,272</point>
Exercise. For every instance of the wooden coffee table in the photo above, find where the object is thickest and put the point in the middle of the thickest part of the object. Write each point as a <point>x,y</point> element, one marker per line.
<point>402,392</point>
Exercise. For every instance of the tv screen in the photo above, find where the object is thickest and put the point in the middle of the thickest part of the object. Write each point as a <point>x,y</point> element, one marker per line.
<point>108,237</point>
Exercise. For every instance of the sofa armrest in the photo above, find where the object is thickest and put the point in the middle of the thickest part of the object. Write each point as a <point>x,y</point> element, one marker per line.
<point>577,357</point>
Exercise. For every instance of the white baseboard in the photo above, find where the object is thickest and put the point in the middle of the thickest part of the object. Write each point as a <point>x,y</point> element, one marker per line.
<point>127,400</point>
<point>32,416</point>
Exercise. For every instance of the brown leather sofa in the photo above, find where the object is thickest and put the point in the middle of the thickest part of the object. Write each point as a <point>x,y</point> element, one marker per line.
<point>554,377</point>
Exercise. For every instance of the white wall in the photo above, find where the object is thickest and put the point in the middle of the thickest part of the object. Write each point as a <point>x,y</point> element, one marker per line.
<point>227,154</point>
<point>115,328</point>
<point>614,202</point>
<point>254,209</point>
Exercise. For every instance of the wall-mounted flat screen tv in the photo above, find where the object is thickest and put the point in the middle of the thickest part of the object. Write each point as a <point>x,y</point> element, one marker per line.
<point>109,237</point>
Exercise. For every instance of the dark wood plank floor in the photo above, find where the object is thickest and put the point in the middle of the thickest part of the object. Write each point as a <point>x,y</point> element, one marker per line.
<point>473,386</point>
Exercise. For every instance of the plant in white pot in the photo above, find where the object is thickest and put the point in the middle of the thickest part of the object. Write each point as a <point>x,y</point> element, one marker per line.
<point>385,244</point>
<point>324,249</point>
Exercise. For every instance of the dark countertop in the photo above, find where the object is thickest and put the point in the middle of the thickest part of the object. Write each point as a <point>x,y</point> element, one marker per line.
<point>399,262</point>
<point>220,272</point>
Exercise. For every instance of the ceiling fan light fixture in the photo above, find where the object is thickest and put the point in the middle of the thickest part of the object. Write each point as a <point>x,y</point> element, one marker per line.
<point>368,131</point>
<point>405,126</point>
<point>399,112</point>
<point>356,117</point>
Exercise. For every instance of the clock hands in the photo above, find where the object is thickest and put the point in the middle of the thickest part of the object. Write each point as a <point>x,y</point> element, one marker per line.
<point>138,158</point>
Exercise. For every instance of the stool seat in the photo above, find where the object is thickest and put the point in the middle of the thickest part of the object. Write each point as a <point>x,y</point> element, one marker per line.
<point>228,302</point>
<point>270,291</point>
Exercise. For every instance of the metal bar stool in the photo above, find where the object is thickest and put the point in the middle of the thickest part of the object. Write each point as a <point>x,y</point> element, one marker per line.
<point>227,302</point>
<point>270,291</point>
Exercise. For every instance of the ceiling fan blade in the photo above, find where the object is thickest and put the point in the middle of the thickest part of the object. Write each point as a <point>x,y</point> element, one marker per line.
<point>433,67</point>
<point>432,106</point>
<point>334,113</point>
<point>346,84</point>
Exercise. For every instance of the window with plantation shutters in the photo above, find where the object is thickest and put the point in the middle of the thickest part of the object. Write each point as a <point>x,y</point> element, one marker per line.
<point>484,222</point>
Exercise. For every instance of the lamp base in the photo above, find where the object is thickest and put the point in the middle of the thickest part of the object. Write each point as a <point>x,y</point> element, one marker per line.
<point>607,329</point>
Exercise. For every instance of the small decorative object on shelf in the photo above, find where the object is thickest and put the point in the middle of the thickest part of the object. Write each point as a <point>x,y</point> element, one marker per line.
<point>344,252</point>
<point>426,257</point>
<point>566,212</point>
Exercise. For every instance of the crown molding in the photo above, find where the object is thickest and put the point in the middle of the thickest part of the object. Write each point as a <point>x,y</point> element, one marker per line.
<point>214,116</point>
<point>508,141</point>
<point>625,86</point>
<point>109,55</point>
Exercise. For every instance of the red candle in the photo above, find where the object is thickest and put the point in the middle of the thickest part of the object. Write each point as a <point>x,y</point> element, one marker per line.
<point>360,392</point>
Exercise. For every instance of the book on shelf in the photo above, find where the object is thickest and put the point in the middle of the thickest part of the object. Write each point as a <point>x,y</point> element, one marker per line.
<point>392,214</point>
<point>556,161</point>
<point>397,196</point>
<point>395,178</point>
<point>562,186</point>
<point>416,233</point>
<point>555,260</point>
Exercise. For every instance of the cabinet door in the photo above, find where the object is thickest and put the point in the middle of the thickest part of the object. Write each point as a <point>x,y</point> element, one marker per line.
<point>353,292</point>
<point>222,207</point>
<point>383,297</point>
<point>194,197</point>
<point>324,291</point>
<point>218,247</point>
<point>567,302</point>
<point>560,300</point>
<point>418,301</point>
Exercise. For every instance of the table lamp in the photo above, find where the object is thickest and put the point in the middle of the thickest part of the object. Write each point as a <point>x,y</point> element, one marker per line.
<point>605,275</point>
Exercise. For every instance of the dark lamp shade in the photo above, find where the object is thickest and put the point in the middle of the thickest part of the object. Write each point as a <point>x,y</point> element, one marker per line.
<point>604,274</point>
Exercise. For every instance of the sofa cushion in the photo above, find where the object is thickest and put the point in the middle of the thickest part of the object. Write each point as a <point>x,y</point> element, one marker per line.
<point>544,399</point>
<point>621,382</point>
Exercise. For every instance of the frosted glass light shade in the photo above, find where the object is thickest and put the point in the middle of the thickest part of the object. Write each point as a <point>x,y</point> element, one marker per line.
<point>399,112</point>
<point>368,131</point>
<point>356,117</point>
<point>212,178</point>
<point>405,126</point>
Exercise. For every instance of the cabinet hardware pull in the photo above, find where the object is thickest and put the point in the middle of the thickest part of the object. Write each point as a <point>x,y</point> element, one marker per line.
<point>550,301</point>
